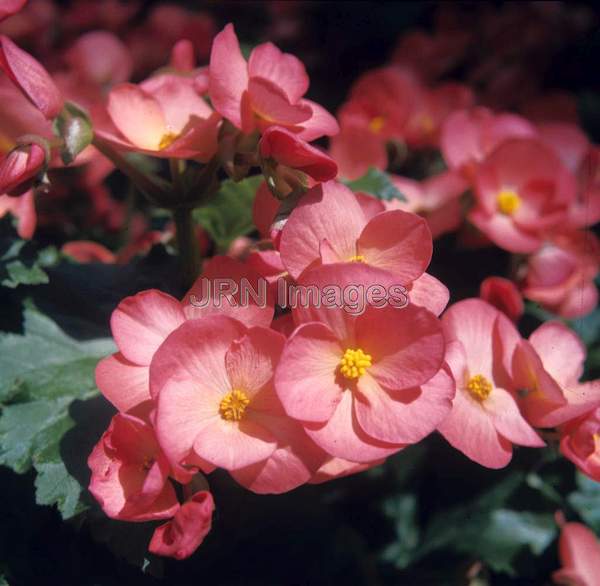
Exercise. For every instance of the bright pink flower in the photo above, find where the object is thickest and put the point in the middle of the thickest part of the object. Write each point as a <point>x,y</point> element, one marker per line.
<point>10,7</point>
<point>286,148</point>
<point>213,382</point>
<point>31,78</point>
<point>20,167</point>
<point>99,57</point>
<point>468,136</point>
<point>580,556</point>
<point>164,116</point>
<point>130,474</point>
<point>580,443</point>
<point>523,190</point>
<point>485,419</point>
<point>181,537</point>
<point>267,90</point>
<point>363,386</point>
<point>330,226</point>
<point>503,295</point>
<point>141,323</point>
<point>568,141</point>
<point>23,208</point>
<point>437,199</point>
<point>560,276</point>
<point>85,251</point>
<point>546,369</point>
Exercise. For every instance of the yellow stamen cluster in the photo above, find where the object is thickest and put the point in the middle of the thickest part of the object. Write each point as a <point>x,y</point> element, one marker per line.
<point>167,140</point>
<point>508,201</point>
<point>233,405</point>
<point>357,258</point>
<point>354,363</point>
<point>376,124</point>
<point>479,387</point>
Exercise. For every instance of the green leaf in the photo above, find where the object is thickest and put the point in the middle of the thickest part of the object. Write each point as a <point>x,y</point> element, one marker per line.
<point>42,372</point>
<point>377,183</point>
<point>586,501</point>
<point>73,125</point>
<point>229,213</point>
<point>402,509</point>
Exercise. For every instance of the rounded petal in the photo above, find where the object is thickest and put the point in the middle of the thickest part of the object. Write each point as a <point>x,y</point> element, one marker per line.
<point>272,105</point>
<point>321,123</point>
<point>228,75</point>
<point>122,382</point>
<point>580,556</point>
<point>141,323</point>
<point>430,293</point>
<point>399,242</point>
<point>305,379</point>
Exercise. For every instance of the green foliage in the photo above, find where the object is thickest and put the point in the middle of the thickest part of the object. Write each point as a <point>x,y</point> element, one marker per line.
<point>229,213</point>
<point>42,372</point>
<point>21,261</point>
<point>586,501</point>
<point>376,183</point>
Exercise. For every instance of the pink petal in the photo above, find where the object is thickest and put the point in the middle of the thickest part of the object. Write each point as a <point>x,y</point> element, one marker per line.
<point>561,351</point>
<point>470,429</point>
<point>122,382</point>
<point>31,78</point>
<point>405,416</point>
<point>264,209</point>
<point>407,345</point>
<point>234,444</point>
<point>508,421</point>
<point>338,467</point>
<point>580,556</point>
<point>321,123</point>
<point>428,292</point>
<point>370,205</point>
<point>399,242</point>
<point>228,73</point>
<point>182,536</point>
<point>271,103</point>
<point>251,360</point>
<point>282,69</point>
<point>342,437</point>
<point>305,380</point>
<point>195,353</point>
<point>10,7</point>
<point>141,323</point>
<point>328,210</point>
<point>579,301</point>
<point>137,115</point>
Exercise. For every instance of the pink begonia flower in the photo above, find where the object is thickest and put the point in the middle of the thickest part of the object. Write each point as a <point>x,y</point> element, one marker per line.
<point>580,443</point>
<point>99,57</point>
<point>141,323</point>
<point>212,380</point>
<point>20,167</point>
<point>579,552</point>
<point>23,209</point>
<point>183,56</point>
<point>286,148</point>
<point>267,263</point>
<point>30,78</point>
<point>130,474</point>
<point>546,370</point>
<point>267,90</point>
<point>560,276</point>
<point>437,199</point>
<point>329,226</point>
<point>163,116</point>
<point>181,537</point>
<point>585,210</point>
<point>468,136</point>
<point>503,295</point>
<point>10,7</point>
<point>522,191</point>
<point>485,420</point>
<point>365,385</point>
<point>85,251</point>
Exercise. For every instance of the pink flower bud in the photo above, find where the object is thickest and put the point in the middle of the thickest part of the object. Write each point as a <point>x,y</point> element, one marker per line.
<point>19,168</point>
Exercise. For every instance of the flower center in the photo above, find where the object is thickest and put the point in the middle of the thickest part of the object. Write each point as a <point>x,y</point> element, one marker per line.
<point>167,140</point>
<point>233,405</point>
<point>354,363</point>
<point>427,124</point>
<point>357,258</point>
<point>508,201</point>
<point>479,387</point>
<point>376,124</point>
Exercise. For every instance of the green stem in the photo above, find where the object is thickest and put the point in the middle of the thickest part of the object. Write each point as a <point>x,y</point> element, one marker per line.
<point>187,244</point>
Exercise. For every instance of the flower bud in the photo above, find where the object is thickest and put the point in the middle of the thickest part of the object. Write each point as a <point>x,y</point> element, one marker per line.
<point>21,167</point>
